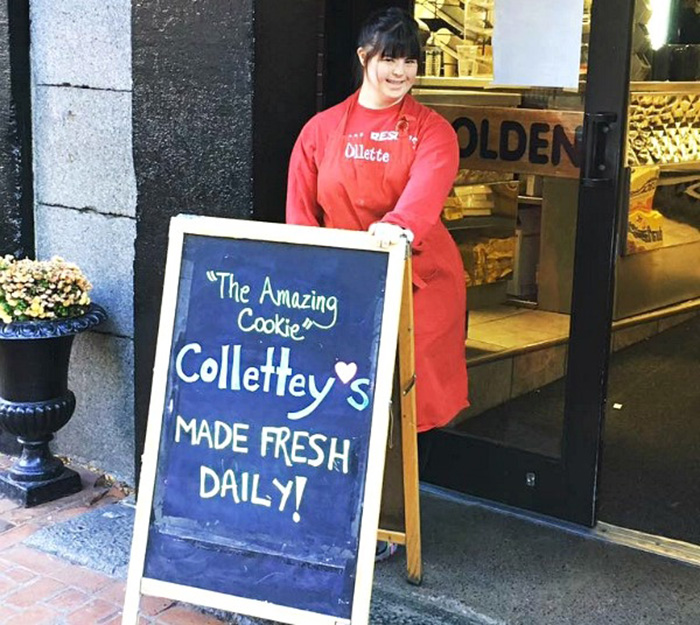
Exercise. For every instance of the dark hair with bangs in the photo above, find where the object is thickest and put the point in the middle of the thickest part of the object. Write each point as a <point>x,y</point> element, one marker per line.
<point>389,32</point>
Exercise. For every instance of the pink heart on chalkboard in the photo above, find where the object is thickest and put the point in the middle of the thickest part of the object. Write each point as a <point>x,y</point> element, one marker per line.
<point>345,371</point>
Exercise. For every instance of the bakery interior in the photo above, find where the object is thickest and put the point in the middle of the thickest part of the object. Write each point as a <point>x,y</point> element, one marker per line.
<point>515,227</point>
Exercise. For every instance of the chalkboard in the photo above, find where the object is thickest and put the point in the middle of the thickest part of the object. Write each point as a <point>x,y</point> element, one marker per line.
<point>262,475</point>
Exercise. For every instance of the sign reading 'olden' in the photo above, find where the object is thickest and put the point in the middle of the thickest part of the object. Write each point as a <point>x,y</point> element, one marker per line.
<point>529,141</point>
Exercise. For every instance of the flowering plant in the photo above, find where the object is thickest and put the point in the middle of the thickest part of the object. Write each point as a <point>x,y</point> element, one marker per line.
<point>33,289</point>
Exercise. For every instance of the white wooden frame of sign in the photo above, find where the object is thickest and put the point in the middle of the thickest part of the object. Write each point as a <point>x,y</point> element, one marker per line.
<point>302,235</point>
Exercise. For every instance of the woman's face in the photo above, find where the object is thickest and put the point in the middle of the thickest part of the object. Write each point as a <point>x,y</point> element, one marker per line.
<point>387,79</point>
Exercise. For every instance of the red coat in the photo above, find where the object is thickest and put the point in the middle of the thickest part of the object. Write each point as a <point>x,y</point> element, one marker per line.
<point>352,166</point>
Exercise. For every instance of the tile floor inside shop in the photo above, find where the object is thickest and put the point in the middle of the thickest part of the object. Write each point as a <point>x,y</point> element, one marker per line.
<point>513,350</point>
<point>40,589</point>
<point>504,328</point>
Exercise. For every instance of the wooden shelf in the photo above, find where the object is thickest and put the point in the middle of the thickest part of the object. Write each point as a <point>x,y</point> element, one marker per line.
<point>486,82</point>
<point>687,166</point>
<point>484,221</point>
<point>666,86</point>
<point>457,92</point>
<point>690,165</point>
<point>456,82</point>
<point>529,199</point>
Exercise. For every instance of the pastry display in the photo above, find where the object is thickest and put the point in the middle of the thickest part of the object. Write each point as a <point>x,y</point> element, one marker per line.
<point>477,176</point>
<point>663,129</point>
<point>474,200</point>
<point>487,260</point>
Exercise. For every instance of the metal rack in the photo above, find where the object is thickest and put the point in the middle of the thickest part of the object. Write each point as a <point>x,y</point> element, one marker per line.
<point>432,16</point>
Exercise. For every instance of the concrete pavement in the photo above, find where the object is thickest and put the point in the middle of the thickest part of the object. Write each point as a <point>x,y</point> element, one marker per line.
<point>65,563</point>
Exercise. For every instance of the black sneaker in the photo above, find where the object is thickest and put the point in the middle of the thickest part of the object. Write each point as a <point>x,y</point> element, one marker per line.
<point>384,550</point>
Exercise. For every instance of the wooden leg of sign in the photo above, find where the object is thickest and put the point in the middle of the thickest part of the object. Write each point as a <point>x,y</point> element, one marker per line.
<point>409,433</point>
<point>130,612</point>
<point>400,517</point>
<point>132,596</point>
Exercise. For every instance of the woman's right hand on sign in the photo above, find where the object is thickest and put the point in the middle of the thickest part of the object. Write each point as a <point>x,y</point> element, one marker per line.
<point>389,233</point>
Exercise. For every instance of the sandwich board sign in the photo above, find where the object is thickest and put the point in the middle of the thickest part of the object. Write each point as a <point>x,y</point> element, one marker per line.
<point>262,472</point>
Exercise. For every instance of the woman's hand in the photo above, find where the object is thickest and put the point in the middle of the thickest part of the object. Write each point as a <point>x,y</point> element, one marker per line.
<point>389,233</point>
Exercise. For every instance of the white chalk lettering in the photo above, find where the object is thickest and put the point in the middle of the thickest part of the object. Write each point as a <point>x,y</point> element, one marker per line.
<point>241,487</point>
<point>342,457</point>
<point>205,432</point>
<point>209,370</point>
<point>250,379</point>
<point>204,473</point>
<point>229,286</point>
<point>244,486</point>
<point>225,435</point>
<point>279,325</point>
<point>190,347</point>
<point>194,366</point>
<point>223,373</point>
<point>297,385</point>
<point>314,443</point>
<point>357,387</point>
<point>284,490</point>
<point>318,398</point>
<point>228,482</point>
<point>301,447</point>
<point>189,427</point>
<point>283,372</point>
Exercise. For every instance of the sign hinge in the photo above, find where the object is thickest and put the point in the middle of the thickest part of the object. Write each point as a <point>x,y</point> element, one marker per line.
<point>410,385</point>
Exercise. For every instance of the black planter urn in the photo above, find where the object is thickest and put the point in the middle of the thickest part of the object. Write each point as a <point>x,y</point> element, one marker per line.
<point>35,402</point>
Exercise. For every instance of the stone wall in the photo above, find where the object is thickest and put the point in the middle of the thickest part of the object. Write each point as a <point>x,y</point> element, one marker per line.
<point>220,90</point>
<point>85,206</point>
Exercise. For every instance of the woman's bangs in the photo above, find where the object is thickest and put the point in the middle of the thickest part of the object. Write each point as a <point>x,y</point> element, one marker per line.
<point>398,43</point>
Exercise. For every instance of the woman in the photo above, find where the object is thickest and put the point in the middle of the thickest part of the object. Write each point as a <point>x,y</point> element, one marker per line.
<point>381,162</point>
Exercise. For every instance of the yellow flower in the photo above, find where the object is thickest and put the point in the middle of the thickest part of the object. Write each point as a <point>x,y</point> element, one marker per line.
<point>36,309</point>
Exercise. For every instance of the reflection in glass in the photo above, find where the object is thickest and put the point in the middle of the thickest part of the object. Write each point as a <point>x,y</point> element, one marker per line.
<point>664,208</point>
<point>650,477</point>
<point>650,469</point>
<point>512,213</point>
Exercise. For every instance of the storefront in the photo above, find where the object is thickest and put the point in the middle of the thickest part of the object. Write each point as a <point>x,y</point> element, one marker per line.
<point>577,213</point>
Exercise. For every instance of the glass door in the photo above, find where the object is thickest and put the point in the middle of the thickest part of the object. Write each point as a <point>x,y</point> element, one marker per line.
<point>534,212</point>
<point>650,475</point>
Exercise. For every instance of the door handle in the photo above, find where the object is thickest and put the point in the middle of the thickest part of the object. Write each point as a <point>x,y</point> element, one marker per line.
<point>596,171</point>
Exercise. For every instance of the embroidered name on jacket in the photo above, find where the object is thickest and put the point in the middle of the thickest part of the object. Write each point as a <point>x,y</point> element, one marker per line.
<point>387,135</point>
<point>358,151</point>
<point>391,135</point>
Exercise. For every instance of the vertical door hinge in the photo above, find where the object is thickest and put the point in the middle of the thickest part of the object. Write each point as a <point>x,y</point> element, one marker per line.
<point>596,171</point>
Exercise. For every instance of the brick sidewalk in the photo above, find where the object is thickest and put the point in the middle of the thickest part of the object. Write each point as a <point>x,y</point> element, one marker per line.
<point>39,589</point>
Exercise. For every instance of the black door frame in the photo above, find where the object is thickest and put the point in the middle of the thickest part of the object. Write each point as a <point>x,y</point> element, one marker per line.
<point>566,487</point>
<point>16,173</point>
